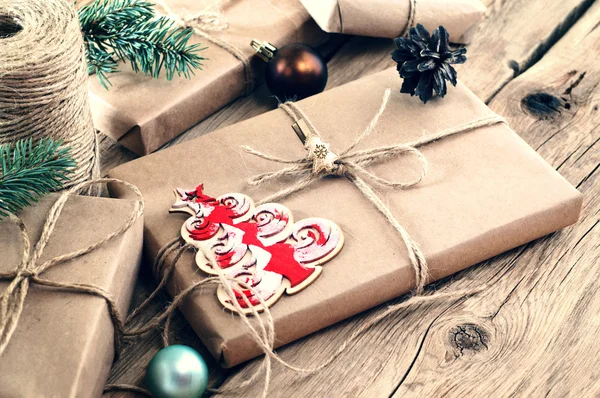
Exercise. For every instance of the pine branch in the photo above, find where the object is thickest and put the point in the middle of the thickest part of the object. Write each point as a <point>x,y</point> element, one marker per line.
<point>128,30</point>
<point>101,63</point>
<point>112,15</point>
<point>29,172</point>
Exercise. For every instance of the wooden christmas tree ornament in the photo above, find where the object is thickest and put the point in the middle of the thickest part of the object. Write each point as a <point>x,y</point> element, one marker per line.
<point>260,246</point>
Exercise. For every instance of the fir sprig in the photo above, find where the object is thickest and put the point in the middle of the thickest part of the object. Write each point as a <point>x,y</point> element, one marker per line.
<point>128,30</point>
<point>30,171</point>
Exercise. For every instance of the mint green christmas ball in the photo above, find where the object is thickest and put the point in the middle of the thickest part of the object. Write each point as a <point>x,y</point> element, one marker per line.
<point>177,371</point>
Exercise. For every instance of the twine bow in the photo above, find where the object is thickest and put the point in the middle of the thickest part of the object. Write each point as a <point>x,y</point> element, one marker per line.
<point>206,21</point>
<point>320,162</point>
<point>29,271</point>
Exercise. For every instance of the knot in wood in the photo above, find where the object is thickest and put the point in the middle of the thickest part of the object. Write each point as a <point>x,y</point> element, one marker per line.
<point>542,105</point>
<point>468,339</point>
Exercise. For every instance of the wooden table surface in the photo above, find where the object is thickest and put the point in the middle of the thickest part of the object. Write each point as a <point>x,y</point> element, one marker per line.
<point>535,331</point>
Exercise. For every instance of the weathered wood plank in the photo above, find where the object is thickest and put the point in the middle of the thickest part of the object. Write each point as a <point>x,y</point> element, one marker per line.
<point>112,154</point>
<point>529,335</point>
<point>519,35</point>
<point>537,339</point>
<point>390,357</point>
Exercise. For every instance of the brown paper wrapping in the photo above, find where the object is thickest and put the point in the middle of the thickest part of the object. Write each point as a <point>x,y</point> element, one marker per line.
<point>63,344</point>
<point>389,18</point>
<point>144,113</point>
<point>486,192</point>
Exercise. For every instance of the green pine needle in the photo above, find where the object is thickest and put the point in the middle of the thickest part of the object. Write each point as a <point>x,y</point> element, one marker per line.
<point>128,30</point>
<point>30,171</point>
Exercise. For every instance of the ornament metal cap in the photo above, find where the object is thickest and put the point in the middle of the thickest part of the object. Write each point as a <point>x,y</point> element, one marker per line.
<point>264,50</point>
<point>300,131</point>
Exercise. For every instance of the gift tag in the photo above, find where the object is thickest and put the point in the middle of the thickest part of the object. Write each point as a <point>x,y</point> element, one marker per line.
<point>260,246</point>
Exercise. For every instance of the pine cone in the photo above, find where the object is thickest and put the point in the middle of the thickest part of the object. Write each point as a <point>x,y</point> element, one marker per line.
<point>424,62</point>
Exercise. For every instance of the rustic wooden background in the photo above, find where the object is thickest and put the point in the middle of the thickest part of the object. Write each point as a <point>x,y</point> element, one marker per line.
<point>534,333</point>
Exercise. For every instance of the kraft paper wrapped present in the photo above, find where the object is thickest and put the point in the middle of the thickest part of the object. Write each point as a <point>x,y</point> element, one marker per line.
<point>486,192</point>
<point>144,113</point>
<point>392,18</point>
<point>63,342</point>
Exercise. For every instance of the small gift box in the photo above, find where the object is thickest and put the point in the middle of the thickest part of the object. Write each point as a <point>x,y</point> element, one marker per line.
<point>485,191</point>
<point>61,342</point>
<point>393,18</point>
<point>144,113</point>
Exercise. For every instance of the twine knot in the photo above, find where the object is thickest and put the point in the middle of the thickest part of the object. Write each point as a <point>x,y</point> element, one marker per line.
<point>339,169</point>
<point>27,273</point>
<point>207,20</point>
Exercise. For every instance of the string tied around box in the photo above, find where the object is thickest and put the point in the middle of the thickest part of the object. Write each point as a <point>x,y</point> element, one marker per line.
<point>319,162</point>
<point>30,270</point>
<point>410,23</point>
<point>206,21</point>
<point>43,80</point>
<point>412,17</point>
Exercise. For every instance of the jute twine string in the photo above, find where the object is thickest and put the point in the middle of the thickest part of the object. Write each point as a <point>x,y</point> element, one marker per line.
<point>208,20</point>
<point>350,164</point>
<point>410,23</point>
<point>412,17</point>
<point>261,328</point>
<point>43,80</point>
<point>30,270</point>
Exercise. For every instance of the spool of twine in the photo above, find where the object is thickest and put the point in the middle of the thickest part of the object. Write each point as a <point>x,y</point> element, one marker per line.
<point>43,80</point>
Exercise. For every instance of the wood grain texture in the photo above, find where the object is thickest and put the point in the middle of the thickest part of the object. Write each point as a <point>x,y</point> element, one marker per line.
<point>519,34</point>
<point>533,333</point>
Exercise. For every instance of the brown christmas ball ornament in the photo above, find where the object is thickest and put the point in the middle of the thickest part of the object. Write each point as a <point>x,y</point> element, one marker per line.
<point>294,71</point>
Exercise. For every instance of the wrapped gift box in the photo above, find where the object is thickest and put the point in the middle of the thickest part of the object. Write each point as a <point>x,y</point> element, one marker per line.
<point>144,113</point>
<point>486,192</point>
<point>63,344</point>
<point>390,18</point>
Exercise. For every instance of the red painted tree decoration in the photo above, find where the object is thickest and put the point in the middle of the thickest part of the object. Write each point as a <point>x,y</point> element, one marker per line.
<point>260,246</point>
